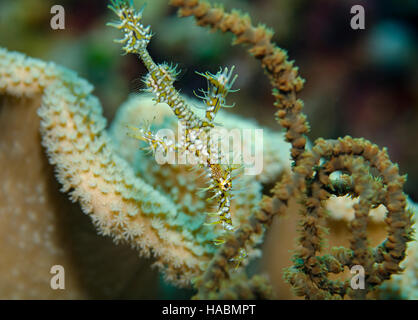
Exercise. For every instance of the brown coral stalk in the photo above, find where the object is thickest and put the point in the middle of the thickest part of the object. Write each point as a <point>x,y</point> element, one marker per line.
<point>282,74</point>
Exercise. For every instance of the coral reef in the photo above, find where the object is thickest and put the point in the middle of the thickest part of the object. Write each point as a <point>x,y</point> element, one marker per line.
<point>157,209</point>
<point>39,226</point>
<point>405,285</point>
<point>310,182</point>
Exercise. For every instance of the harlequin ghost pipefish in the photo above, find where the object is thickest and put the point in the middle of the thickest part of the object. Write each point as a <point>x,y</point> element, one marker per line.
<point>159,81</point>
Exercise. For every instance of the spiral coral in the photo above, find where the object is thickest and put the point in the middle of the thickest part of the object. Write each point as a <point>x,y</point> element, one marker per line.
<point>310,182</point>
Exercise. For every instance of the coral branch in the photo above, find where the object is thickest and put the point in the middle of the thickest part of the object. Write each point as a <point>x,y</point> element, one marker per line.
<point>282,74</point>
<point>120,204</point>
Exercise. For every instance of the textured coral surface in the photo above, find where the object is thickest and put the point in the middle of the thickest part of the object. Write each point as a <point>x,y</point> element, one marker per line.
<point>53,138</point>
